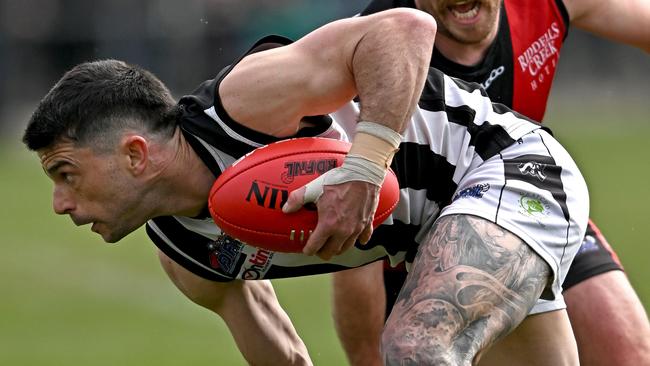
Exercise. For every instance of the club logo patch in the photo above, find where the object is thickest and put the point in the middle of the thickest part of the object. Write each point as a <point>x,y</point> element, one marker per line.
<point>533,168</point>
<point>223,253</point>
<point>534,206</point>
<point>475,191</point>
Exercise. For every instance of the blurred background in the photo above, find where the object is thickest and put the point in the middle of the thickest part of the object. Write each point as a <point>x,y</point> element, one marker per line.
<point>70,299</point>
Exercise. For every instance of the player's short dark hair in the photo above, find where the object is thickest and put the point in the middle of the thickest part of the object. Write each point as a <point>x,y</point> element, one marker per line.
<point>95,100</point>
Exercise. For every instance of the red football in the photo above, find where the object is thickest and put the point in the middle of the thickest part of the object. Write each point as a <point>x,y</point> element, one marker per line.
<point>246,199</point>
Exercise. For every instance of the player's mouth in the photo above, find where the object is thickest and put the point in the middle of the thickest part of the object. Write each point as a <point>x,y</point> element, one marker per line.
<point>465,11</point>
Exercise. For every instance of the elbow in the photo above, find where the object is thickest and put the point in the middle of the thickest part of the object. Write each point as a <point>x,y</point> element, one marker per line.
<point>416,23</point>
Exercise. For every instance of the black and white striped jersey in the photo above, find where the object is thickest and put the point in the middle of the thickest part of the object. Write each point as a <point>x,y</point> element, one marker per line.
<point>455,123</point>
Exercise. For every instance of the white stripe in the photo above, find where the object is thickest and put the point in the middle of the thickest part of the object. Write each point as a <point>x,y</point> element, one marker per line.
<point>455,97</point>
<point>223,160</point>
<point>205,227</point>
<point>229,131</point>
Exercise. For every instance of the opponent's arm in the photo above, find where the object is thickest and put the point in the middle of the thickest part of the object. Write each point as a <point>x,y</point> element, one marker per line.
<point>262,330</point>
<point>622,21</point>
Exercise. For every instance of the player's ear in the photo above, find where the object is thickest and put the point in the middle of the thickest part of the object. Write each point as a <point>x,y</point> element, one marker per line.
<point>135,150</point>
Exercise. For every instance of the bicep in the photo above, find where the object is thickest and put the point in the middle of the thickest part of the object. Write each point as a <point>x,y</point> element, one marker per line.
<point>308,77</point>
<point>621,21</point>
<point>272,90</point>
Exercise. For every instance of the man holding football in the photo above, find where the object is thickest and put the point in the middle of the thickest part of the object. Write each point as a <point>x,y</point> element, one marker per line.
<point>122,154</point>
<point>512,48</point>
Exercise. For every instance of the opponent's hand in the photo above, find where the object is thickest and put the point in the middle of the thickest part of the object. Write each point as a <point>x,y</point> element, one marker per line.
<point>345,214</point>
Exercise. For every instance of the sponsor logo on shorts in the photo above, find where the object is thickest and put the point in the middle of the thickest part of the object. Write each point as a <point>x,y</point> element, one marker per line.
<point>257,265</point>
<point>533,168</point>
<point>306,167</point>
<point>534,206</point>
<point>475,191</point>
<point>588,245</point>
<point>224,253</point>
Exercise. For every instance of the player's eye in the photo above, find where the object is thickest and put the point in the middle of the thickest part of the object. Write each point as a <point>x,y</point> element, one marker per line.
<point>66,177</point>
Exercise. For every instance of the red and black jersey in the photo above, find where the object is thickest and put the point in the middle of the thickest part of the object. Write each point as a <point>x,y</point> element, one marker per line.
<point>519,66</point>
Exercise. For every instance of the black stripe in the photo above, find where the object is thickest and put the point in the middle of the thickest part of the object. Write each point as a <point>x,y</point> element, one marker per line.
<point>563,204</point>
<point>433,94</point>
<point>503,187</point>
<point>417,167</point>
<point>396,238</point>
<point>488,139</point>
<point>276,271</point>
<point>462,115</point>
<point>565,17</point>
<point>546,168</point>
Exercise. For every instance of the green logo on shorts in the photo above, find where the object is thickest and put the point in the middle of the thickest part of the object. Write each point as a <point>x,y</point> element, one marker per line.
<point>534,206</point>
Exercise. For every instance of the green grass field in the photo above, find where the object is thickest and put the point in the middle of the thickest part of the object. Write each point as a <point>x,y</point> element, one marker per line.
<point>70,299</point>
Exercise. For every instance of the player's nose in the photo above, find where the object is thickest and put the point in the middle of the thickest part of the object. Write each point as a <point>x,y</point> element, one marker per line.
<point>62,202</point>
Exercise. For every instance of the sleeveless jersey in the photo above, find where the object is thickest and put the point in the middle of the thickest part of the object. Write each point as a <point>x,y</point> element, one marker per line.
<point>454,124</point>
<point>519,65</point>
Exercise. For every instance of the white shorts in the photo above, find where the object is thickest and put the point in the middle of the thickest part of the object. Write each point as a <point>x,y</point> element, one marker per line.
<point>535,191</point>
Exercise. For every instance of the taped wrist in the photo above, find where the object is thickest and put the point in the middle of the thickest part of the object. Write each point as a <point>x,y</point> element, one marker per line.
<point>376,143</point>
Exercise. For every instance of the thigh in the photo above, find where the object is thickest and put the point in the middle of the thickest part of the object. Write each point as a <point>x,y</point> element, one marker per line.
<point>540,340</point>
<point>609,321</point>
<point>472,282</point>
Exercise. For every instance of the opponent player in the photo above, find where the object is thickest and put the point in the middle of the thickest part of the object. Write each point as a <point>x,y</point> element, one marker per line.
<point>121,154</point>
<point>512,49</point>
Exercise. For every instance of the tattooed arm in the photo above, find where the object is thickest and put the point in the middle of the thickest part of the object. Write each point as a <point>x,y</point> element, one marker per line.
<point>471,284</point>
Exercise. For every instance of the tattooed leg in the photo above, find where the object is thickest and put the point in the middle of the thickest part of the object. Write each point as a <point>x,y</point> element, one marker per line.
<point>471,284</point>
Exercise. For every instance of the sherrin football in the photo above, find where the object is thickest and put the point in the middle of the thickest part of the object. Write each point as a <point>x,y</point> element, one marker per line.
<point>246,199</point>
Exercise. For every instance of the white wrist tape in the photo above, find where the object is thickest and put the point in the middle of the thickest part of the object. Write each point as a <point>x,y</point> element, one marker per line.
<point>369,158</point>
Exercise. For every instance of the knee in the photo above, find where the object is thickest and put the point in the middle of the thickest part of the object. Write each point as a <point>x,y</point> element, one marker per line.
<point>405,347</point>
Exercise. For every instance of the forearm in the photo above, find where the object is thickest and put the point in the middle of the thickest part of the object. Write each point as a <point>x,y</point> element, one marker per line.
<point>390,65</point>
<point>262,330</point>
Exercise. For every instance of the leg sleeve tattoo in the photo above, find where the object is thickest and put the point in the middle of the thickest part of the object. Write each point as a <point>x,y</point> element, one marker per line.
<point>471,284</point>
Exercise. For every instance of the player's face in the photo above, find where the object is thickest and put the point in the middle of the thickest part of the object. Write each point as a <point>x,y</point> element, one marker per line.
<point>464,21</point>
<point>93,188</point>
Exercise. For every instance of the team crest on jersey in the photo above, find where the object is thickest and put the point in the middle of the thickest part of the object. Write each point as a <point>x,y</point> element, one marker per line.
<point>534,206</point>
<point>224,253</point>
<point>475,191</point>
<point>533,168</point>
